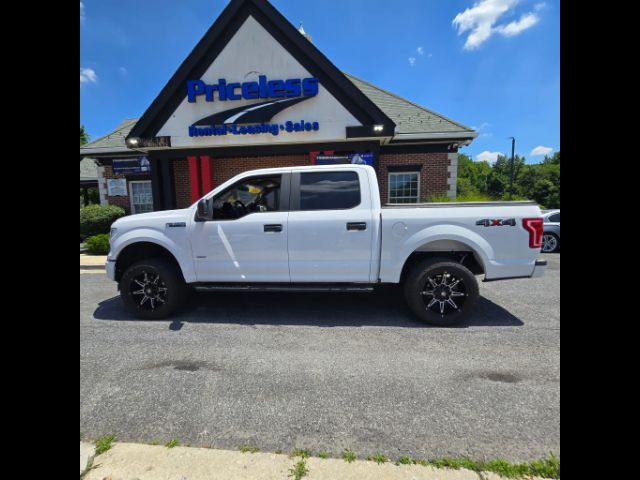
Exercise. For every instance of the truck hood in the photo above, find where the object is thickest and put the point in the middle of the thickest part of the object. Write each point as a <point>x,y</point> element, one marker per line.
<point>152,219</point>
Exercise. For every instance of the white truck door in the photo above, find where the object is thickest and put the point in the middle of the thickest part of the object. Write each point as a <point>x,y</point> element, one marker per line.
<point>246,239</point>
<point>330,226</point>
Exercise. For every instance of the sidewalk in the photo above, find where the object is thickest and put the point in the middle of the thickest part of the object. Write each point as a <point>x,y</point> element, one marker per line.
<point>92,261</point>
<point>149,462</point>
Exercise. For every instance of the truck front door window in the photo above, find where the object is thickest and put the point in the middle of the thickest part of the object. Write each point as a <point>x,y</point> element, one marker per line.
<point>254,195</point>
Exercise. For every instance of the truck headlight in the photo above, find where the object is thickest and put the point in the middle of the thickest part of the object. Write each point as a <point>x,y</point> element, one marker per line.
<point>112,234</point>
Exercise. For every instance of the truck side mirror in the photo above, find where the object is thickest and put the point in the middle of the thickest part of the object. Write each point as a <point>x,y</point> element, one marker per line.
<point>203,214</point>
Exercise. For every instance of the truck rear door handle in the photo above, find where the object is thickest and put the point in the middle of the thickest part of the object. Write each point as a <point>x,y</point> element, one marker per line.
<point>356,226</point>
<point>273,228</point>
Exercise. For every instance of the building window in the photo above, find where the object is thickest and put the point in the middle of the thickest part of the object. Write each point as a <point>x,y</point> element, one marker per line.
<point>404,187</point>
<point>141,196</point>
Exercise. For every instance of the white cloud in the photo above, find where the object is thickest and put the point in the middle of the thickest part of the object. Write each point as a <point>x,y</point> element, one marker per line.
<point>480,20</point>
<point>514,28</point>
<point>483,126</point>
<point>420,50</point>
<point>122,70</point>
<point>81,12</point>
<point>488,156</point>
<point>539,6</point>
<point>412,61</point>
<point>88,75</point>
<point>541,150</point>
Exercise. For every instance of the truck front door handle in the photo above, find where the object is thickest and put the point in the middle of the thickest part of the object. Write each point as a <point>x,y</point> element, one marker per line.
<point>273,228</point>
<point>356,226</point>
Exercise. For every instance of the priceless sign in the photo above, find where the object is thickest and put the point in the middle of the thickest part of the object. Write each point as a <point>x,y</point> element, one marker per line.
<point>263,88</point>
<point>254,118</point>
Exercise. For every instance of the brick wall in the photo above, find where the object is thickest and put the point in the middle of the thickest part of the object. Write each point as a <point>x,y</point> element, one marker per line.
<point>181,179</point>
<point>433,177</point>
<point>225,168</point>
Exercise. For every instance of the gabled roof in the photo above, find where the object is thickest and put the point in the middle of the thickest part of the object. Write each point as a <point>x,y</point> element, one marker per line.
<point>113,142</point>
<point>215,40</point>
<point>409,117</point>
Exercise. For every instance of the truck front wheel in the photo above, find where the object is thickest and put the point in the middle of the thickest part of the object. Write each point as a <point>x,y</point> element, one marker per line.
<point>152,288</point>
<point>441,292</point>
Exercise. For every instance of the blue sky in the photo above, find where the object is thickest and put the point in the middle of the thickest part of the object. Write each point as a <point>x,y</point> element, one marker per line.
<point>491,64</point>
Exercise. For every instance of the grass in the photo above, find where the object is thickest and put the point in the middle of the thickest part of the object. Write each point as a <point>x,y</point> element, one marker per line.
<point>404,460</point>
<point>104,443</point>
<point>174,442</point>
<point>546,467</point>
<point>324,454</point>
<point>154,442</point>
<point>301,452</point>
<point>249,449</point>
<point>81,435</point>
<point>299,470</point>
<point>378,458</point>
<point>349,456</point>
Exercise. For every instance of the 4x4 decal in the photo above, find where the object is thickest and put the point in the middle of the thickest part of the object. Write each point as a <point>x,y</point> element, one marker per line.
<point>497,222</point>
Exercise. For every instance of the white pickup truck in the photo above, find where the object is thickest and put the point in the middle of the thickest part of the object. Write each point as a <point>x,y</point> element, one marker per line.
<point>322,228</point>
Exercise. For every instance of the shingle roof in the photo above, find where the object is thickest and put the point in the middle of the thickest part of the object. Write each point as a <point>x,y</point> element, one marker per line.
<point>409,117</point>
<point>112,142</point>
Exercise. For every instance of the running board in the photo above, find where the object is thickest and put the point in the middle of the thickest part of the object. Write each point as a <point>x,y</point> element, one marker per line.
<point>284,287</point>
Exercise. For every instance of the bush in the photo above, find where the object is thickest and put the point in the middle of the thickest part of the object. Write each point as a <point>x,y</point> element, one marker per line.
<point>96,219</point>
<point>98,244</point>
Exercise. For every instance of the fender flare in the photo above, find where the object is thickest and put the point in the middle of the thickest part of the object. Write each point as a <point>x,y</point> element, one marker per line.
<point>478,245</point>
<point>149,235</point>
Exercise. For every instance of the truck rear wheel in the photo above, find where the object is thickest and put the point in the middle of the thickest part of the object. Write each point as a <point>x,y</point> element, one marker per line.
<point>152,288</point>
<point>441,292</point>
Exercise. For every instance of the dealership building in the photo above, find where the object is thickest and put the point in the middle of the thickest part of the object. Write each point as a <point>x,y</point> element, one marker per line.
<point>255,92</point>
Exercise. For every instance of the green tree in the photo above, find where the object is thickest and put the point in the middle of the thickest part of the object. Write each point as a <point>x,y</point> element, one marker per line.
<point>539,182</point>
<point>472,176</point>
<point>84,136</point>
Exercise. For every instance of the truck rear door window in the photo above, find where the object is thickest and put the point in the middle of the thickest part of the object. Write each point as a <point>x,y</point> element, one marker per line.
<point>329,190</point>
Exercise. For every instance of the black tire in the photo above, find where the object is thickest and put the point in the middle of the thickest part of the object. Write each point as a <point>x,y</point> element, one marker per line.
<point>556,248</point>
<point>427,276</point>
<point>167,293</point>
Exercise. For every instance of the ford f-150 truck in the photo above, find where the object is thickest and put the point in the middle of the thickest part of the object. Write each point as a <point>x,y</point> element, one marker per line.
<point>322,228</point>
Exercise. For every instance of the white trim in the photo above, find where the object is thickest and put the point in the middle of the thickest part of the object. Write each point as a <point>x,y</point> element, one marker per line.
<point>390,174</point>
<point>133,212</point>
<point>438,135</point>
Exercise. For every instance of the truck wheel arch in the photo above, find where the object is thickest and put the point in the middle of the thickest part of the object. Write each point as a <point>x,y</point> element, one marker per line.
<point>456,249</point>
<point>139,251</point>
<point>452,241</point>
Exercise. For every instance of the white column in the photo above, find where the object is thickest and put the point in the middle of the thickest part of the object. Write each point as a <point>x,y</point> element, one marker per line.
<point>102,186</point>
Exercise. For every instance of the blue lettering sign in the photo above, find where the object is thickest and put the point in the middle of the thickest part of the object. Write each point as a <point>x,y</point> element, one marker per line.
<point>263,88</point>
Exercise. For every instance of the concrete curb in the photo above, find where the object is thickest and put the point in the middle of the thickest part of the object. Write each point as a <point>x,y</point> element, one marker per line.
<point>154,462</point>
<point>87,451</point>
<point>92,267</point>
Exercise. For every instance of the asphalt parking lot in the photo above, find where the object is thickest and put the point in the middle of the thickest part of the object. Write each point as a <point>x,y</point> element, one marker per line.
<point>328,372</point>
